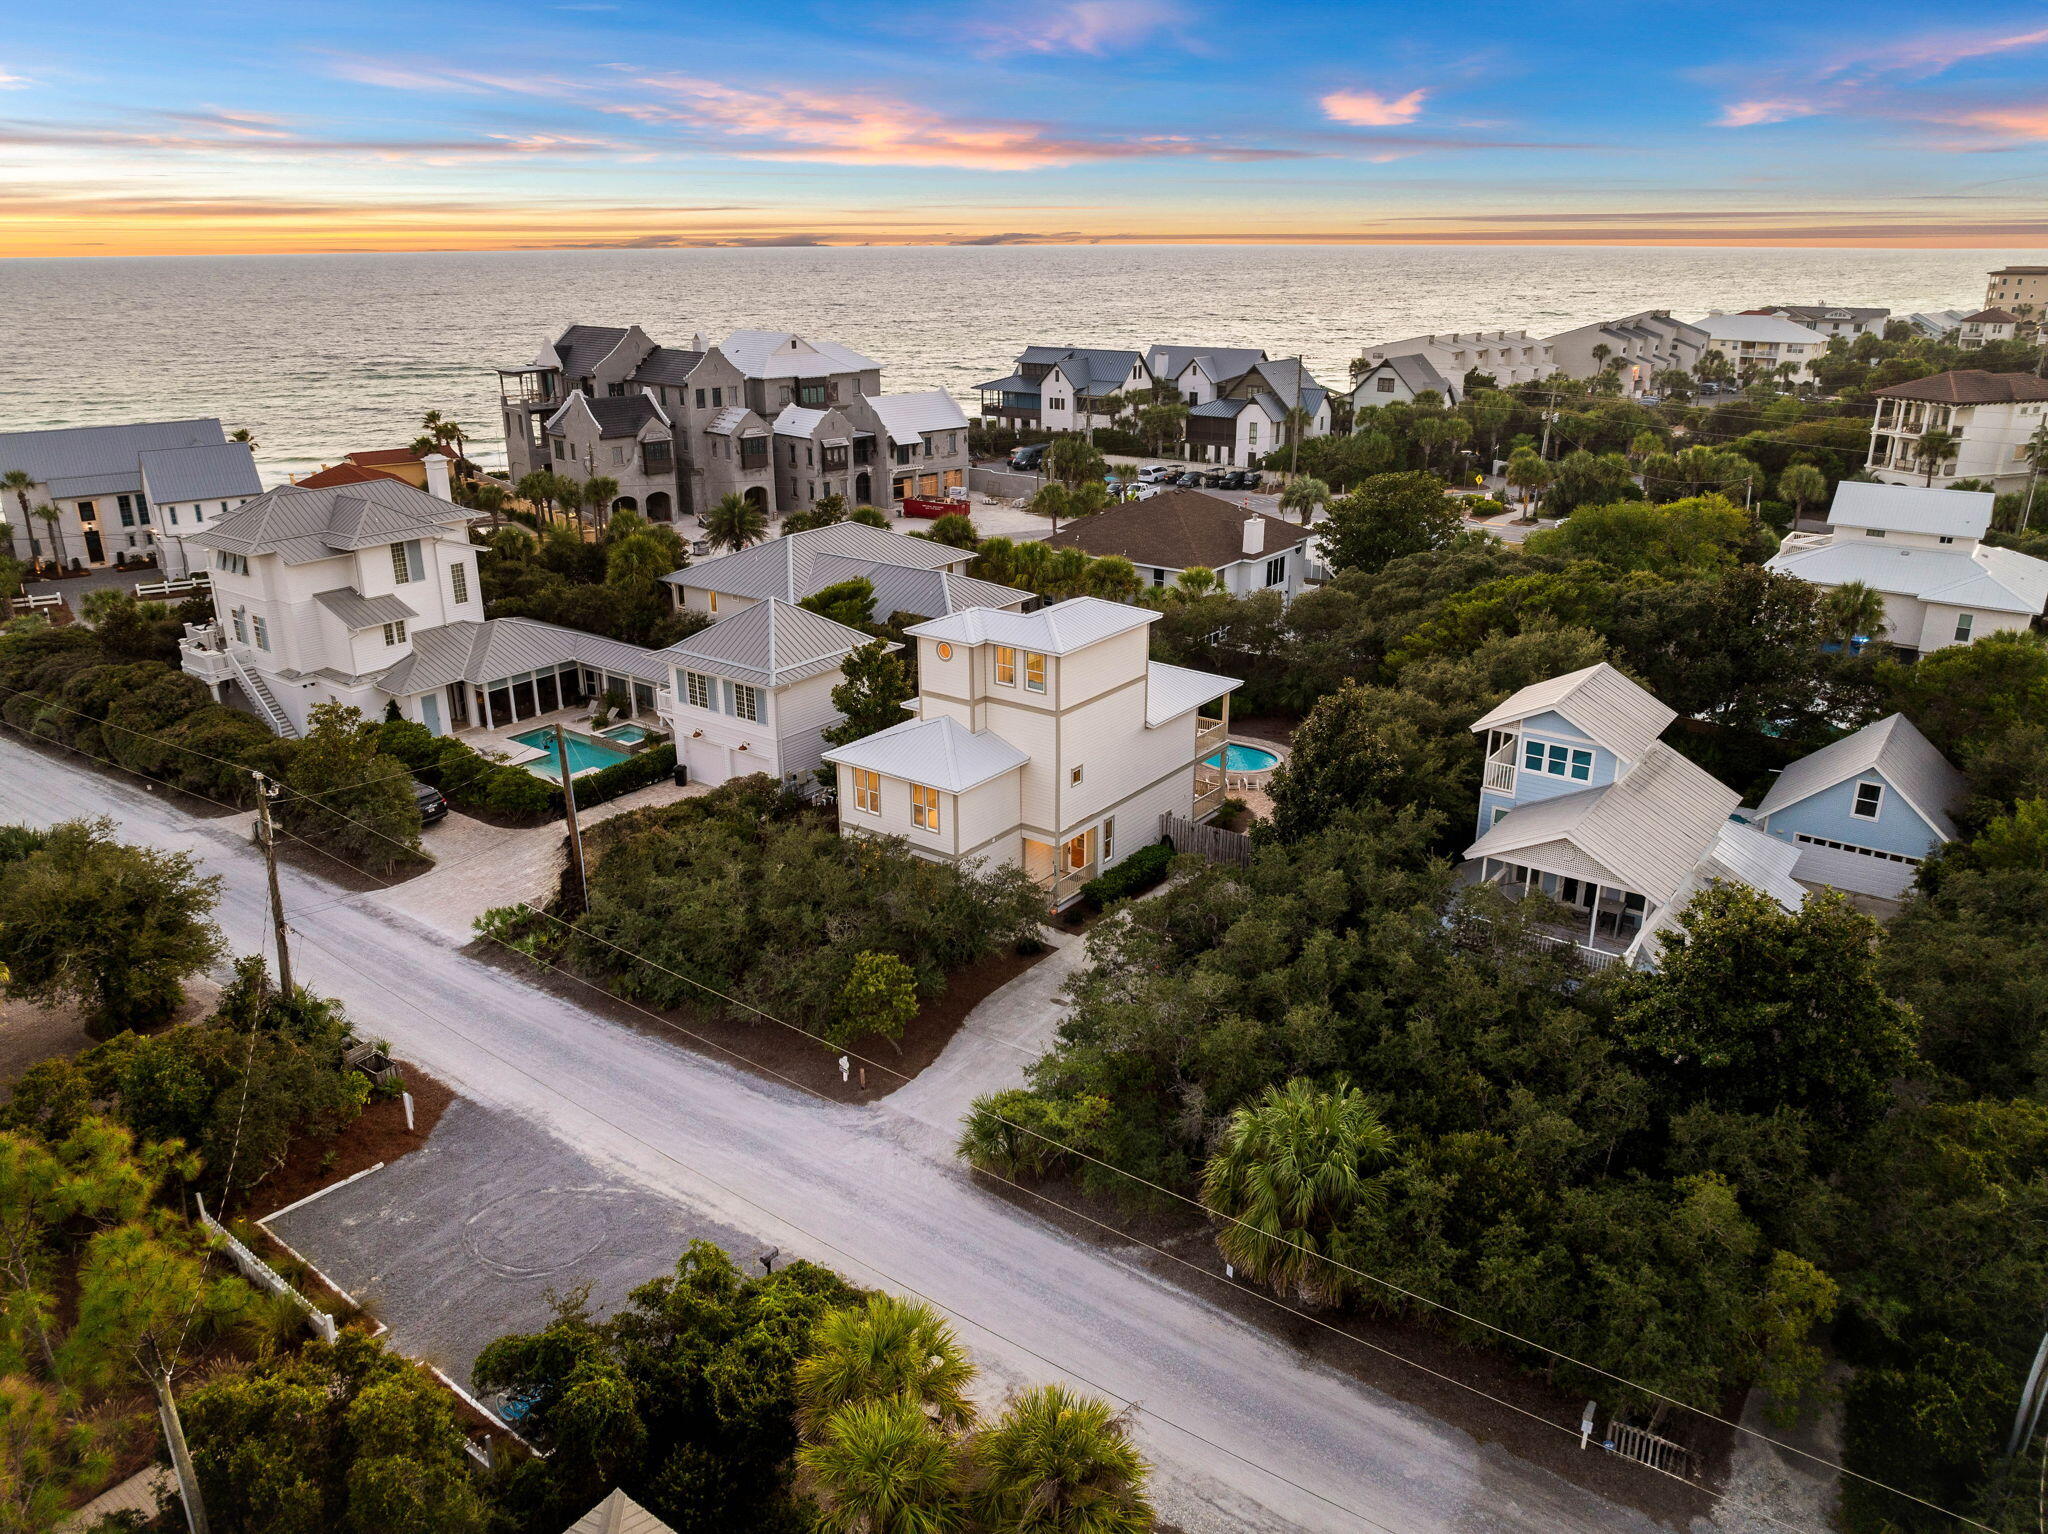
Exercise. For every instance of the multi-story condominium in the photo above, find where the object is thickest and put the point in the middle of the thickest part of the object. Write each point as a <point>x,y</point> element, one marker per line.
<point>1991,417</point>
<point>1046,740</point>
<point>2012,286</point>
<point>1921,549</point>
<point>1985,326</point>
<point>1065,388</point>
<point>698,423</point>
<point>1831,319</point>
<point>1761,343</point>
<point>1582,801</point>
<point>920,443</point>
<point>1200,373</point>
<point>1398,380</point>
<point>1636,348</point>
<point>1936,326</point>
<point>1866,811</point>
<point>368,595</point>
<point>909,575</point>
<point>117,488</point>
<point>1180,530</point>
<point>1506,356</point>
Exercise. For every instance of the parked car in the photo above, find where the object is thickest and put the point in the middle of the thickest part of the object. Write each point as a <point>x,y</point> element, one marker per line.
<point>1190,480</point>
<point>429,798</point>
<point>1028,457</point>
<point>1247,479</point>
<point>1158,473</point>
<point>1215,479</point>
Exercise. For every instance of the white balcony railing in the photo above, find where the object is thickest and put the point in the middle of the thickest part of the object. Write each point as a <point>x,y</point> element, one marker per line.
<point>1500,774</point>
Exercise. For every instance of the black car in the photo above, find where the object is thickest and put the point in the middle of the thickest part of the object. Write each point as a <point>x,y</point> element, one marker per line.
<point>1247,479</point>
<point>1190,480</point>
<point>1216,479</point>
<point>1028,457</point>
<point>432,805</point>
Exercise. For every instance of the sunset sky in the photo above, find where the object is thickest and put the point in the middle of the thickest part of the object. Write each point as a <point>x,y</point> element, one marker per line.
<point>130,129</point>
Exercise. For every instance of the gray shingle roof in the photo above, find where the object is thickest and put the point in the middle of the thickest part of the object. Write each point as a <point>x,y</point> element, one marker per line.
<point>583,347</point>
<point>1416,371</point>
<point>1598,701</point>
<point>770,643</point>
<point>1966,386</point>
<point>497,648</point>
<point>623,415</point>
<point>357,611</point>
<point>79,452</point>
<point>781,567</point>
<point>301,523</point>
<point>1893,747</point>
<point>670,365</point>
<point>221,469</point>
<point>1176,529</point>
<point>940,753</point>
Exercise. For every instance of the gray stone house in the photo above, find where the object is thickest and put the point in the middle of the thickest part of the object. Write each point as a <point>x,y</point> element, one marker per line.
<point>920,442</point>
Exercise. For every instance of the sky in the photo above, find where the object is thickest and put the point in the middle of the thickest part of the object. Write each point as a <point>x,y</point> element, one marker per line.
<point>148,129</point>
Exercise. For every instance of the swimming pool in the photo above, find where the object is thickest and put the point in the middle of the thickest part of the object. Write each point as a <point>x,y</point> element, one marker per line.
<point>584,753</point>
<point>631,734</point>
<point>1242,758</point>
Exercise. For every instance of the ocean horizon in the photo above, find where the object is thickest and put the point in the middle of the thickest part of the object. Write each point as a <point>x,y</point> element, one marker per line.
<point>321,354</point>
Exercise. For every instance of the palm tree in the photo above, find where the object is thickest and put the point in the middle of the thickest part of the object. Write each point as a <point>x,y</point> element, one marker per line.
<point>1527,473</point>
<point>880,1467</point>
<point>1305,495</point>
<point>52,519</point>
<point>18,481</point>
<point>599,491</point>
<point>1292,1169</point>
<point>1113,578</point>
<point>734,522</point>
<point>1295,424</point>
<point>489,497</point>
<point>445,431</point>
<point>1601,352</point>
<point>1194,583</point>
<point>887,1350</point>
<point>1853,611</point>
<point>1058,1463</point>
<point>243,435</point>
<point>2036,452</point>
<point>1933,448</point>
<point>1801,484</point>
<point>1074,460</point>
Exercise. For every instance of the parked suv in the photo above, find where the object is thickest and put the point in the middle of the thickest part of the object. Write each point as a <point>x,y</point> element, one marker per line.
<point>432,805</point>
<point>1028,457</point>
<point>1158,474</point>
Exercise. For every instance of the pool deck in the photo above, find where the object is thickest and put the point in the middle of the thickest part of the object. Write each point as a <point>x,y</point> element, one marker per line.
<point>500,743</point>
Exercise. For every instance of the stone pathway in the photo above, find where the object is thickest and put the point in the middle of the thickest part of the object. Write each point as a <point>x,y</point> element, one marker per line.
<point>137,1494</point>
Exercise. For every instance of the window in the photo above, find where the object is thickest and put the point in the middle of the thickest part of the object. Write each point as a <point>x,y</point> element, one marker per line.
<point>1499,813</point>
<point>1868,852</point>
<point>1055,404</point>
<point>1557,761</point>
<point>924,807</point>
<point>1253,435</point>
<point>867,791</point>
<point>1869,799</point>
<point>234,564</point>
<point>618,453</point>
<point>1006,666</point>
<point>1276,570</point>
<point>697,687</point>
<point>1109,839</point>
<point>712,597</point>
<point>811,396</point>
<point>1873,532</point>
<point>394,633</point>
<point>1964,623</point>
<point>241,623</point>
<point>1384,385</point>
<point>127,510</point>
<point>405,562</point>
<point>1074,777</point>
<point>458,581</point>
<point>262,632</point>
<point>700,399</point>
<point>746,702</point>
<point>1945,538</point>
<point>718,396</point>
<point>1034,671</point>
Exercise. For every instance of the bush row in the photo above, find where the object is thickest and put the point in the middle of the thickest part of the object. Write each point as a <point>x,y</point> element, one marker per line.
<point>1133,876</point>
<point>469,780</point>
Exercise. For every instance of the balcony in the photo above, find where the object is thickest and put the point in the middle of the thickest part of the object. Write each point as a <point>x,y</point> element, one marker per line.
<point>1211,736</point>
<point>1500,771</point>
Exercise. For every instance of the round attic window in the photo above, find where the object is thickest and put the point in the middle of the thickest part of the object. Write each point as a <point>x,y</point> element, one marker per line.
<point>945,651</point>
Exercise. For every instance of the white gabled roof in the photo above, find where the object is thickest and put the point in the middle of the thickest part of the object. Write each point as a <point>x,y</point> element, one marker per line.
<point>1761,861</point>
<point>1907,759</point>
<point>798,421</point>
<point>1057,630</point>
<point>1912,509</point>
<point>939,753</point>
<point>771,643</point>
<point>1757,328</point>
<point>1997,580</point>
<point>1171,691</point>
<point>906,417</point>
<point>779,354</point>
<point>1598,701</point>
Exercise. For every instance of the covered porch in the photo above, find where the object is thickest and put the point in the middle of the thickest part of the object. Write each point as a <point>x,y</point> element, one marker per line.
<point>1604,920</point>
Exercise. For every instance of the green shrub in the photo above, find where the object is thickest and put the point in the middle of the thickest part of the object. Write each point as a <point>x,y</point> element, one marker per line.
<point>1020,1134</point>
<point>468,779</point>
<point>636,771</point>
<point>1133,876</point>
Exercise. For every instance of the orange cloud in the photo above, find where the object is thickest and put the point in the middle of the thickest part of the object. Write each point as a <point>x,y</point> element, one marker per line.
<point>1747,114</point>
<point>2023,124</point>
<point>1368,109</point>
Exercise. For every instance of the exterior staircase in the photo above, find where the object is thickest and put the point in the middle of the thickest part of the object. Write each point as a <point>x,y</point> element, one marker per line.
<point>258,692</point>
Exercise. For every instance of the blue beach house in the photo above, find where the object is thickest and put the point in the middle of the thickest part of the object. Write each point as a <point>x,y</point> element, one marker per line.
<point>1864,811</point>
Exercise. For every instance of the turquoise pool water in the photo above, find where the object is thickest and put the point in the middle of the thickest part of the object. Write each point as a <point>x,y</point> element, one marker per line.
<point>631,734</point>
<point>1237,758</point>
<point>584,753</point>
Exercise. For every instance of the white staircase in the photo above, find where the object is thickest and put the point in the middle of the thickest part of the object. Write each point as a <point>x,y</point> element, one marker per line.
<point>258,692</point>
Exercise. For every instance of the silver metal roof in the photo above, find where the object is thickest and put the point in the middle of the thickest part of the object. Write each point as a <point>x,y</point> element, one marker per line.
<point>304,523</point>
<point>497,648</point>
<point>771,643</point>
<point>1171,691</point>
<point>906,417</point>
<point>907,589</point>
<point>779,354</point>
<point>1892,747</point>
<point>940,753</point>
<point>781,567</point>
<point>1912,509</point>
<point>212,472</point>
<point>357,611</point>
<point>1598,701</point>
<point>1997,580</point>
<point>1057,630</point>
<point>78,452</point>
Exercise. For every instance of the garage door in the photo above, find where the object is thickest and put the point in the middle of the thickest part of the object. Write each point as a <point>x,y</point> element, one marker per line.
<point>708,761</point>
<point>1854,871</point>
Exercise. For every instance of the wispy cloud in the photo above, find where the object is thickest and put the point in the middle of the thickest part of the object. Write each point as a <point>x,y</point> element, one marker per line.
<point>1369,109</point>
<point>247,136</point>
<point>9,82</point>
<point>1876,81</point>
<point>1748,114</point>
<point>1095,27</point>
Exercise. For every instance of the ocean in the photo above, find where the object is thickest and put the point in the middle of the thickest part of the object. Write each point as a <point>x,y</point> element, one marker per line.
<point>318,355</point>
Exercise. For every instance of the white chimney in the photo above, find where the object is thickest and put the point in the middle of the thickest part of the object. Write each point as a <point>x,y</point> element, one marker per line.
<point>697,342</point>
<point>437,476</point>
<point>1254,536</point>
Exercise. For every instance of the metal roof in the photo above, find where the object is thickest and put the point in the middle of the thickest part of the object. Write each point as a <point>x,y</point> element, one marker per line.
<point>199,473</point>
<point>497,648</point>
<point>618,1514</point>
<point>1758,329</point>
<point>1222,363</point>
<point>727,420</point>
<point>302,523</point>
<point>1057,630</point>
<point>1912,509</point>
<point>1650,827</point>
<point>798,421</point>
<point>113,482</point>
<point>906,417</point>
<point>1761,861</point>
<point>1998,580</point>
<point>1414,370</point>
<point>1892,747</point>
<point>770,643</point>
<point>1016,383</point>
<point>1171,691</point>
<point>781,567</point>
<point>357,611</point>
<point>1598,701</point>
<point>76,452</point>
<point>780,354</point>
<point>939,753</point>
<point>912,589</point>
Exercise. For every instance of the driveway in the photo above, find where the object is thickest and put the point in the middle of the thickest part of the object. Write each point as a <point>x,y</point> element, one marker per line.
<point>1247,1430</point>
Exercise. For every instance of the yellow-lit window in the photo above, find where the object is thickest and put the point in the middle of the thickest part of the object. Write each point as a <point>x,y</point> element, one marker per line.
<point>1006,666</point>
<point>867,791</point>
<point>924,807</point>
<point>1034,672</point>
<point>712,598</point>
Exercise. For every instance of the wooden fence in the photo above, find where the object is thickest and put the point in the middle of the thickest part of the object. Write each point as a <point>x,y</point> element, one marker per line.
<point>1211,842</point>
<point>1659,1453</point>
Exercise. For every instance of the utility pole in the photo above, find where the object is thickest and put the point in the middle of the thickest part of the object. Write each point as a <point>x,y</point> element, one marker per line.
<point>267,790</point>
<point>575,834</point>
<point>181,1456</point>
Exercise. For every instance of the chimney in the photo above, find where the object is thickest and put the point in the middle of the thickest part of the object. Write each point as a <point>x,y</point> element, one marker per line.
<point>697,342</point>
<point>1254,536</point>
<point>437,475</point>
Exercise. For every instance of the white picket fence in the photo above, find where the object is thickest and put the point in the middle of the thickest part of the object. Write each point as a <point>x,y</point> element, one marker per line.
<point>35,601</point>
<point>157,591</point>
<point>259,1272</point>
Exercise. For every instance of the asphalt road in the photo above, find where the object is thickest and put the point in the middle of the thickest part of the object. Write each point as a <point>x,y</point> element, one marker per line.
<point>1246,1435</point>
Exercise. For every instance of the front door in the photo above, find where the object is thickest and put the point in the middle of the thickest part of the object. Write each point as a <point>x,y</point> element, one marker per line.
<point>94,554</point>
<point>430,713</point>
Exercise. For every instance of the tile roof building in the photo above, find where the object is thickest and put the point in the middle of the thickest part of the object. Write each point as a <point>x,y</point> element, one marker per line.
<point>1992,419</point>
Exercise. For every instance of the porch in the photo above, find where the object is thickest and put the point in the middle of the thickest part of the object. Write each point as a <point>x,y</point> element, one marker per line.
<point>1211,782</point>
<point>527,696</point>
<point>1062,870</point>
<point>1603,920</point>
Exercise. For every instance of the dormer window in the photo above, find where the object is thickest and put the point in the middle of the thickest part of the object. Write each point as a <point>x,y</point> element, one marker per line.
<point>1557,761</point>
<point>1869,801</point>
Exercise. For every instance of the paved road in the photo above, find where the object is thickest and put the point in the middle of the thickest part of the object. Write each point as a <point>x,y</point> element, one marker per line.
<point>1245,1433</point>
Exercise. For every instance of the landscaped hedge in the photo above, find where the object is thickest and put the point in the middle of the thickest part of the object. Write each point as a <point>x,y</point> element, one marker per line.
<point>636,771</point>
<point>1133,876</point>
<point>469,780</point>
